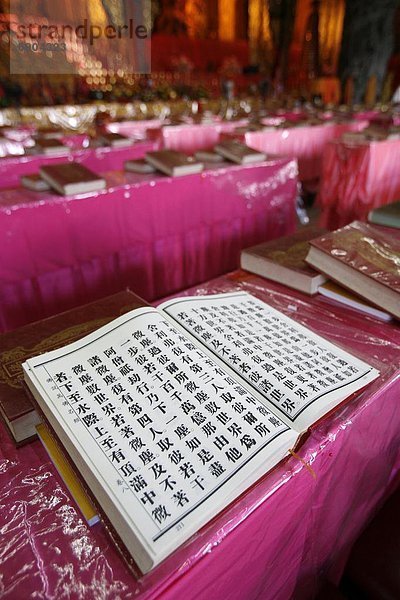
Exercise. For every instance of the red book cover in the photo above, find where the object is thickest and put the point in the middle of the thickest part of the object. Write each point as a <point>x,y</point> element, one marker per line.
<point>367,249</point>
<point>68,173</point>
<point>49,334</point>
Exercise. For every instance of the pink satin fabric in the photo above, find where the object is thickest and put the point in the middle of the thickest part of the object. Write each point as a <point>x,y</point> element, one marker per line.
<point>358,178</point>
<point>154,233</point>
<point>304,143</point>
<point>96,159</point>
<point>279,540</point>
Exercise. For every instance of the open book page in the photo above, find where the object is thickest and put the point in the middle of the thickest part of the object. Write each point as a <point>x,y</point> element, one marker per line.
<point>301,375</point>
<point>164,437</point>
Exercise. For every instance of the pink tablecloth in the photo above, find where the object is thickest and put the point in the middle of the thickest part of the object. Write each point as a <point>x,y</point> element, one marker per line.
<point>154,233</point>
<point>304,143</point>
<point>96,159</point>
<point>278,541</point>
<point>358,178</point>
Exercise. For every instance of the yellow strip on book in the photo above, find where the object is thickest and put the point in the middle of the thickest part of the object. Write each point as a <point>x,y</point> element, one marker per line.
<point>68,476</point>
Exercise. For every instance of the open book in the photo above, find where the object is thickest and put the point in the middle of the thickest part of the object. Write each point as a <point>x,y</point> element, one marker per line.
<point>169,414</point>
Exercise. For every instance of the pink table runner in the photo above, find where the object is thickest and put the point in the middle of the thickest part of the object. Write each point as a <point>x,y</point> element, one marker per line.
<point>295,526</point>
<point>304,143</point>
<point>358,178</point>
<point>153,233</point>
<point>96,159</point>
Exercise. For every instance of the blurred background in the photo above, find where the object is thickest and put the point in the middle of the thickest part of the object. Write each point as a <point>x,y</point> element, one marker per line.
<point>339,51</point>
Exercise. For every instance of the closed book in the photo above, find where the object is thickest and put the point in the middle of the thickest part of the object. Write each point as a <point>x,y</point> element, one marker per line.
<point>42,336</point>
<point>139,166</point>
<point>239,153</point>
<point>167,419</point>
<point>49,146</point>
<point>173,163</point>
<point>209,156</point>
<point>339,295</point>
<point>363,259</point>
<point>115,140</point>
<point>388,215</point>
<point>72,178</point>
<point>283,260</point>
<point>34,183</point>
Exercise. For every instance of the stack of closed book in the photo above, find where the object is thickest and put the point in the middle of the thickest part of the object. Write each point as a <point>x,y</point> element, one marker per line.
<point>48,147</point>
<point>363,259</point>
<point>71,178</point>
<point>239,153</point>
<point>357,266</point>
<point>115,140</point>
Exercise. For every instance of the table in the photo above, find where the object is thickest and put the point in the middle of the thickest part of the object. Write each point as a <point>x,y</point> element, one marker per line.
<point>97,159</point>
<point>155,233</point>
<point>304,143</point>
<point>292,528</point>
<point>357,178</point>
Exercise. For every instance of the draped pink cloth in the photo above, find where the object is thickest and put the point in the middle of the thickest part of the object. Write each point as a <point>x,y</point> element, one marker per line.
<point>358,178</point>
<point>304,143</point>
<point>154,233</point>
<point>279,540</point>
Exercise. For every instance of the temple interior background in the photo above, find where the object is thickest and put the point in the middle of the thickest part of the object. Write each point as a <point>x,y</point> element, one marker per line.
<point>297,47</point>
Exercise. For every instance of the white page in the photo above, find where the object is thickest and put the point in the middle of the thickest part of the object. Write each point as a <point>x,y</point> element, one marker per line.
<point>169,436</point>
<point>301,374</point>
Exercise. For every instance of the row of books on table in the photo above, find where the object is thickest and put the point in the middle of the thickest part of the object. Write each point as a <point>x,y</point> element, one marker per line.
<point>73,178</point>
<point>52,144</point>
<point>165,416</point>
